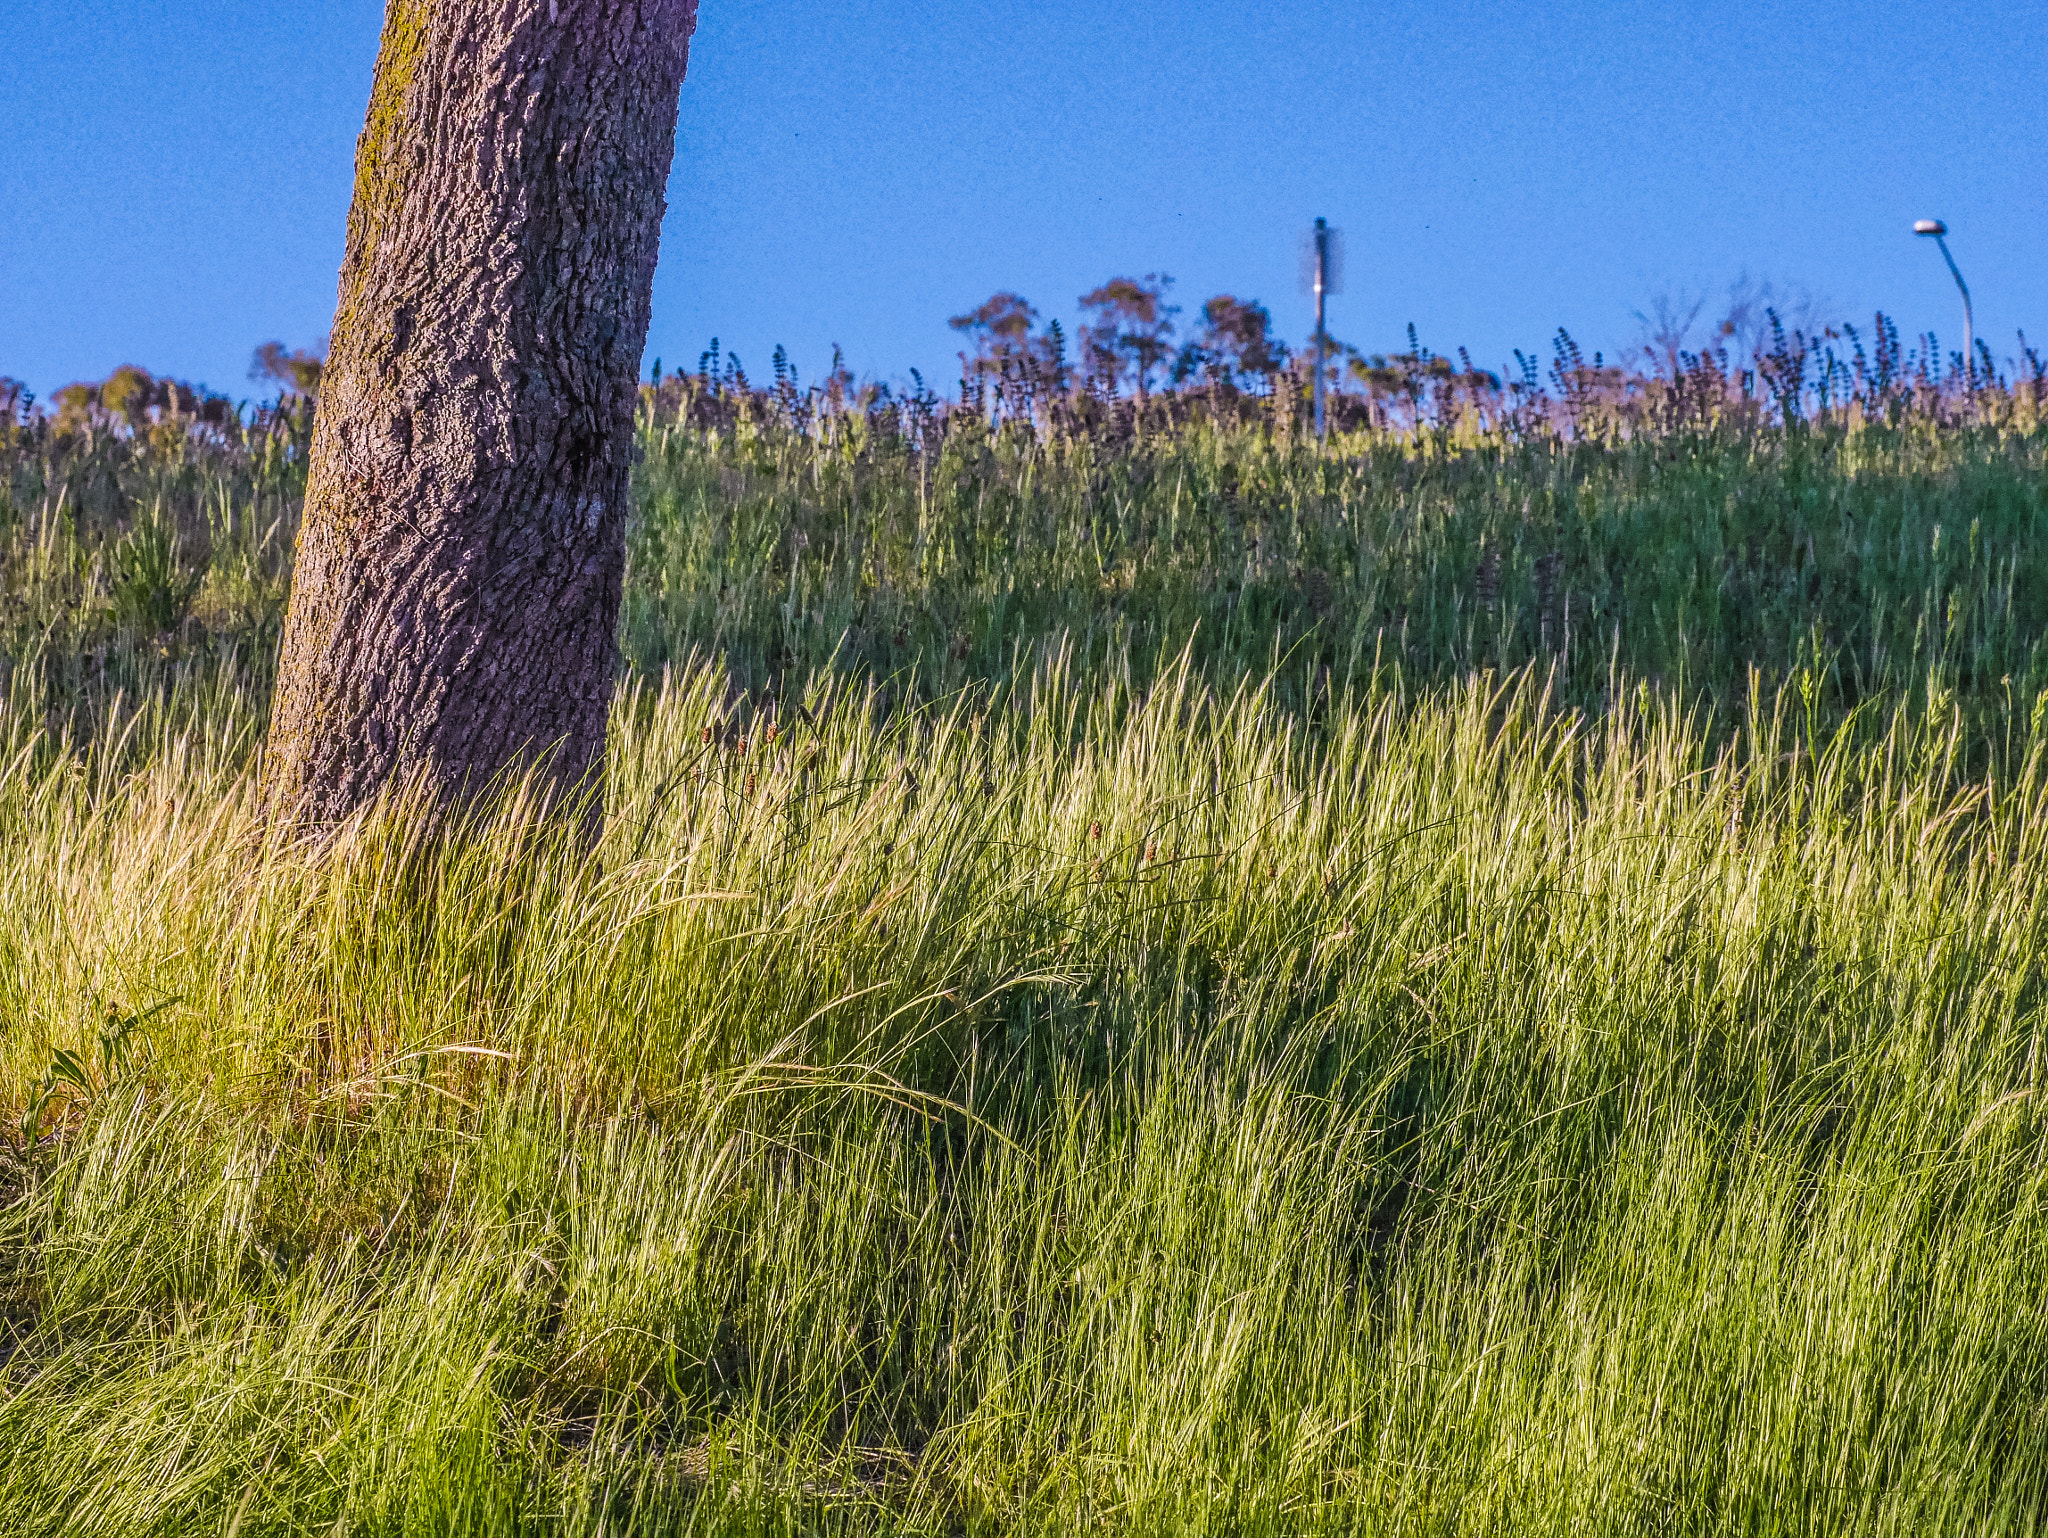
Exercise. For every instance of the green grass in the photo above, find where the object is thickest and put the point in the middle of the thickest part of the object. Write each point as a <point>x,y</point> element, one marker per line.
<point>1872,561</point>
<point>1127,1081</point>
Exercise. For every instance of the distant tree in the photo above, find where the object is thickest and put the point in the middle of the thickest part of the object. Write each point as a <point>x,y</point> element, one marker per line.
<point>1667,332</point>
<point>77,405</point>
<point>1399,385</point>
<point>1129,332</point>
<point>1236,344</point>
<point>294,373</point>
<point>454,609</point>
<point>132,399</point>
<point>1000,329</point>
<point>128,393</point>
<point>1404,390</point>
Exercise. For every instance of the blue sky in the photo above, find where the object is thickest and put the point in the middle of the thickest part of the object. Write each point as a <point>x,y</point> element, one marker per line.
<point>176,178</point>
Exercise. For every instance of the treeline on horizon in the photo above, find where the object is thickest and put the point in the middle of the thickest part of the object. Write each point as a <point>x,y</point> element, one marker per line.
<point>1750,364</point>
<point>1129,361</point>
<point>1131,354</point>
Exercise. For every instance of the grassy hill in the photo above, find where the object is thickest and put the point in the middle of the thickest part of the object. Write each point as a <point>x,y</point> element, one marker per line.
<point>1140,978</point>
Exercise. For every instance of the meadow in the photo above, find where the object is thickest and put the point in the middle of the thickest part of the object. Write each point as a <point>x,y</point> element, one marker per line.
<point>1139,975</point>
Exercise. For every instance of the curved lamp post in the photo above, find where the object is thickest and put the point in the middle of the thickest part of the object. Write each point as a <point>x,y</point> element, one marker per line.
<point>1939,231</point>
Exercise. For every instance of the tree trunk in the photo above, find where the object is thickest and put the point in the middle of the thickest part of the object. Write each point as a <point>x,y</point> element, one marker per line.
<point>456,599</point>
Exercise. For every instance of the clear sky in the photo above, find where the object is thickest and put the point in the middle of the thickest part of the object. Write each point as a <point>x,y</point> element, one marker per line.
<point>175,179</point>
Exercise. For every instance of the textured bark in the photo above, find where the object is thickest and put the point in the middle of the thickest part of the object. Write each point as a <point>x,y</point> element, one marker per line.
<point>455,604</point>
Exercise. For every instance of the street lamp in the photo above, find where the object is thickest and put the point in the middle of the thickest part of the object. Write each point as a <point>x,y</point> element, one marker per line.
<point>1939,230</point>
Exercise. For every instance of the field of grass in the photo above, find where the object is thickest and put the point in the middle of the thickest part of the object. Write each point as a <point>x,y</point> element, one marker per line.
<point>1149,982</point>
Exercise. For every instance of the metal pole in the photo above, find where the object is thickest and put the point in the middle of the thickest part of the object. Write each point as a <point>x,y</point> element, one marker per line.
<point>1969,324</point>
<point>1939,231</point>
<point>1322,340</point>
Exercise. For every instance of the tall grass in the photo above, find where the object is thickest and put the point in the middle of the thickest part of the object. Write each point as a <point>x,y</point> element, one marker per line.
<point>1051,1111</point>
<point>1049,1038</point>
<point>1877,557</point>
<point>1874,560</point>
